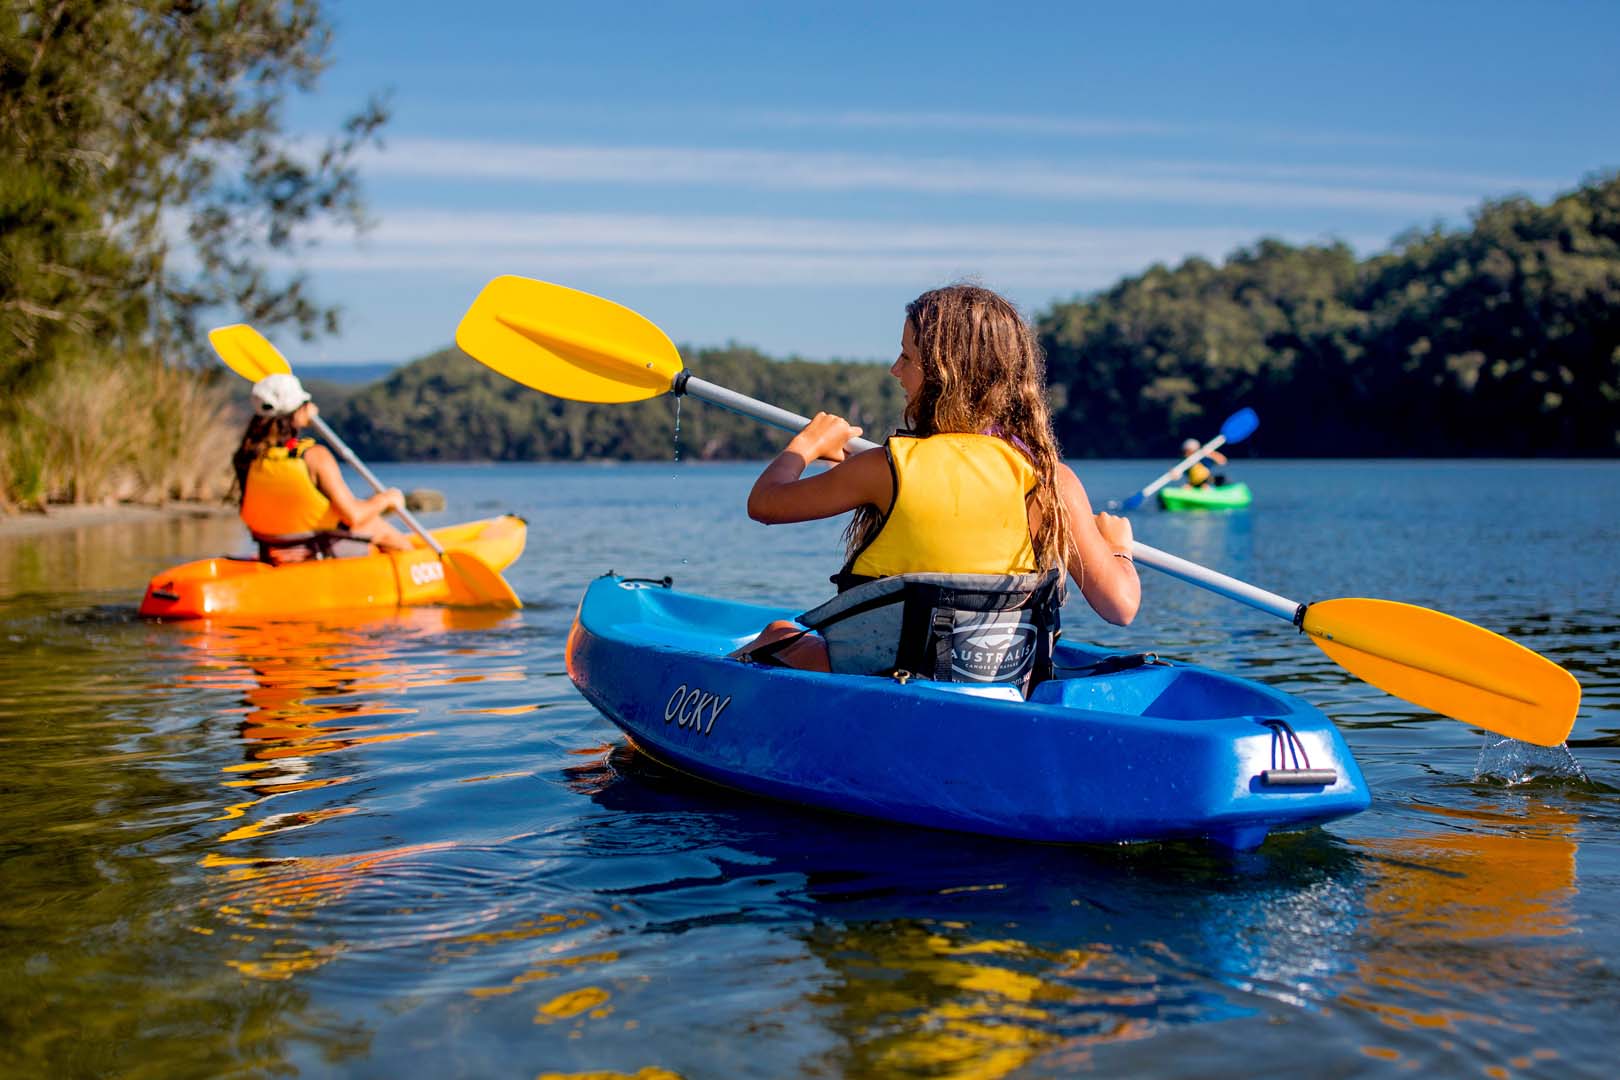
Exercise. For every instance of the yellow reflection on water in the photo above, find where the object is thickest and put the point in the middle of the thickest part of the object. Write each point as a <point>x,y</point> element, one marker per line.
<point>1476,913</point>
<point>928,998</point>
<point>566,1006</point>
<point>463,945</point>
<point>268,894</point>
<point>318,688</point>
<point>651,1072</point>
<point>1497,874</point>
<point>310,690</point>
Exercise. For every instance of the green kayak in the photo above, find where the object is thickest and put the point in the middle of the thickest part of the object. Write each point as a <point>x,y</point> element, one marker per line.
<point>1208,497</point>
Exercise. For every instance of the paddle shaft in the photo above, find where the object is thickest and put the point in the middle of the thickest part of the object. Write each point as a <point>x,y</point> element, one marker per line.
<point>687,383</point>
<point>376,485</point>
<point>1229,587</point>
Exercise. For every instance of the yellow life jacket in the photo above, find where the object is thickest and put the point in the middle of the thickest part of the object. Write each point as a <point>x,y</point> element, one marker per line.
<point>958,509</point>
<point>1198,475</point>
<point>279,497</point>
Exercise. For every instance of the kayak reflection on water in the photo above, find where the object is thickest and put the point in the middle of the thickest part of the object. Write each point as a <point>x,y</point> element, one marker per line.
<point>312,691</point>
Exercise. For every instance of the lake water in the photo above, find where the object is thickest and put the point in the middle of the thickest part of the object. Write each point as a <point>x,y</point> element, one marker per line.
<point>404,846</point>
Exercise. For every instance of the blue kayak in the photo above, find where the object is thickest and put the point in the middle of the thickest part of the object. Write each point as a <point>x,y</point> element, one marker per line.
<point>1113,749</point>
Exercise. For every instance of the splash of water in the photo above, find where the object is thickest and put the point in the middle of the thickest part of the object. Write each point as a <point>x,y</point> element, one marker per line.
<point>1513,762</point>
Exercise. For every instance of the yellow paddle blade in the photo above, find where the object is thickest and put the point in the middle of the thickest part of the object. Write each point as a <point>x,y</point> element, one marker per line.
<point>246,352</point>
<point>1453,667</point>
<point>567,343</point>
<point>475,583</point>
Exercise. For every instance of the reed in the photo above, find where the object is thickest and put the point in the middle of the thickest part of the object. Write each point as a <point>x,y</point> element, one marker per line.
<point>101,429</point>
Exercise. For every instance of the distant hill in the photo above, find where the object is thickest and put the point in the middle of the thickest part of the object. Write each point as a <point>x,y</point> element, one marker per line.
<point>448,407</point>
<point>1500,340</point>
<point>347,374</point>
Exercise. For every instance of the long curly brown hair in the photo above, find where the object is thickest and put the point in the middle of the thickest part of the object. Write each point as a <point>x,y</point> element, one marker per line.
<point>262,433</point>
<point>983,373</point>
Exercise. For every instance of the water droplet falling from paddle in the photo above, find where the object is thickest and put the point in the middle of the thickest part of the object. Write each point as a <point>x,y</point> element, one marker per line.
<point>678,399</point>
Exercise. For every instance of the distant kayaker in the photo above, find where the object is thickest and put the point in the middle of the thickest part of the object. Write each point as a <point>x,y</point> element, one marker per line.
<point>975,487</point>
<point>1198,473</point>
<point>293,498</point>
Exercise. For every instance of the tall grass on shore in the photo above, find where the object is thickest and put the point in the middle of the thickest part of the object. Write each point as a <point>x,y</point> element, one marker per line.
<point>102,430</point>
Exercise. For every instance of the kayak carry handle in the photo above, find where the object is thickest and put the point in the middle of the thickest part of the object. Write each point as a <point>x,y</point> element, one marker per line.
<point>1299,777</point>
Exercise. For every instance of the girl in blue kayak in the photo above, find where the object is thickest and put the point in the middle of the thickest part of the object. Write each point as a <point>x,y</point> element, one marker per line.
<point>975,487</point>
<point>294,500</point>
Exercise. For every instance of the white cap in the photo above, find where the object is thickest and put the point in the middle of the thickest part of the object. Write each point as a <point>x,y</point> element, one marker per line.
<point>1189,446</point>
<point>279,394</point>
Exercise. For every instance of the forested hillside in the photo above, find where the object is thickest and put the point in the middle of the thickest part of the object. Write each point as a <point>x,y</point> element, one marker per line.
<point>449,407</point>
<point>1502,338</point>
<point>1499,339</point>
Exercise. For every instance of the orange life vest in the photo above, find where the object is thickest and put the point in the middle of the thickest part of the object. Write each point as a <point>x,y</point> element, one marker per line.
<point>279,497</point>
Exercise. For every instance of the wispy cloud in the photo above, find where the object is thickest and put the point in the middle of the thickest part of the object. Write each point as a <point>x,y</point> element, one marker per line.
<point>1392,192</point>
<point>978,123</point>
<point>741,250</point>
<point>1444,179</point>
<point>1057,126</point>
<point>1065,127</point>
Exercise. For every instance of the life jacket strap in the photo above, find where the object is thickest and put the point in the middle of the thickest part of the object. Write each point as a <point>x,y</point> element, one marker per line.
<point>941,629</point>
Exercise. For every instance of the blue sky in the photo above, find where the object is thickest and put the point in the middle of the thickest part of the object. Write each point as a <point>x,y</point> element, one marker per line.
<point>788,175</point>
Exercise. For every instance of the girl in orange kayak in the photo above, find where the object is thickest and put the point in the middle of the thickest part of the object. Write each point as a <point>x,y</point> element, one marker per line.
<point>293,498</point>
<point>976,487</point>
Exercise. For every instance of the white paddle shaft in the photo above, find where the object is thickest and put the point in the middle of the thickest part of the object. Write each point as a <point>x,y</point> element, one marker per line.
<point>376,485</point>
<point>1229,587</point>
<point>753,407</point>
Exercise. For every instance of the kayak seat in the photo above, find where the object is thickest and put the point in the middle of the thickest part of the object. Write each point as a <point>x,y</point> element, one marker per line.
<point>1130,692</point>
<point>951,628</point>
<point>315,545</point>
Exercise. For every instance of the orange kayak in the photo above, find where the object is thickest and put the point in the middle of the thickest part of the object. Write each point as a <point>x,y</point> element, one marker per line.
<point>252,589</point>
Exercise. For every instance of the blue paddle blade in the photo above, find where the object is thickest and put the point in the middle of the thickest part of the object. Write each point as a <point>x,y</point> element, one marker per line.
<point>1132,502</point>
<point>1239,426</point>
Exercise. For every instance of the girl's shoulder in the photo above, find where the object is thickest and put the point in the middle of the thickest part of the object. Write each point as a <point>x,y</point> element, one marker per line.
<point>314,453</point>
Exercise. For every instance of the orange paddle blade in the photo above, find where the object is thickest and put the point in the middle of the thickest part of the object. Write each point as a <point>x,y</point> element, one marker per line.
<point>567,343</point>
<point>475,583</point>
<point>1453,667</point>
<point>247,352</point>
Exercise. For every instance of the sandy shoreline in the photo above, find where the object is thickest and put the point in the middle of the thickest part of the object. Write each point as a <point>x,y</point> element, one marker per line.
<point>61,518</point>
